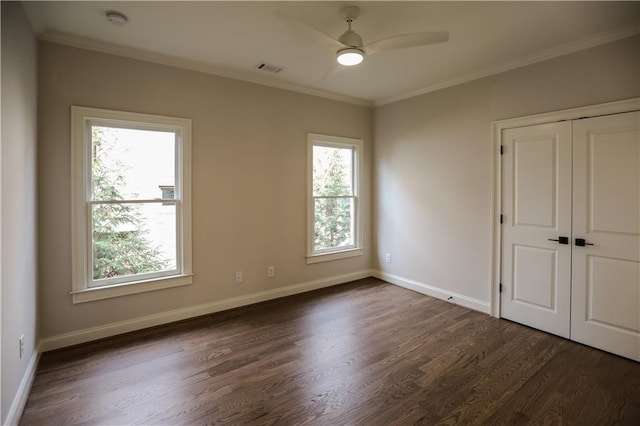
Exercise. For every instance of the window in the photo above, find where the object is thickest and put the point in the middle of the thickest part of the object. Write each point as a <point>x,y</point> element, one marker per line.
<point>131,203</point>
<point>334,187</point>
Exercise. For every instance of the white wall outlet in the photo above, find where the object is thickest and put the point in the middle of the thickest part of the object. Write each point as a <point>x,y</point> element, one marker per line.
<point>387,258</point>
<point>239,277</point>
<point>21,345</point>
<point>271,271</point>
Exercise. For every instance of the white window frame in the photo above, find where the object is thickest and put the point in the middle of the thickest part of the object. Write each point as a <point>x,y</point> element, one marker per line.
<point>81,145</point>
<point>356,145</point>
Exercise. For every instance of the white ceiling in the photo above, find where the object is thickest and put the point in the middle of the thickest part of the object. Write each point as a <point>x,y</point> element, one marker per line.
<point>231,38</point>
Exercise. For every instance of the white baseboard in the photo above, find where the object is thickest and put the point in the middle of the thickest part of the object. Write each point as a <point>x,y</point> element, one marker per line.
<point>438,293</point>
<point>113,329</point>
<point>94,333</point>
<point>20,400</point>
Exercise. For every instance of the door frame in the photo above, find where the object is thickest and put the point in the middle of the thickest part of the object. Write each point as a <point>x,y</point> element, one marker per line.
<point>497,127</point>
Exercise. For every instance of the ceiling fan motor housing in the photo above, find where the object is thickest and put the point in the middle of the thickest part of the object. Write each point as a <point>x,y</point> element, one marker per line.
<point>350,38</point>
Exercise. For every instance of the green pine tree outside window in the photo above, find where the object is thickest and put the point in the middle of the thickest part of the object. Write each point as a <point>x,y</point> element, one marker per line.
<point>121,245</point>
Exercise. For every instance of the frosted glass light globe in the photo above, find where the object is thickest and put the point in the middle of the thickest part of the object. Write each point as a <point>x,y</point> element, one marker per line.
<point>349,57</point>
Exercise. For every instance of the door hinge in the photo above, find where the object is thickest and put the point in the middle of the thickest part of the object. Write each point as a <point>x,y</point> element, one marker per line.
<point>501,218</point>
<point>500,288</point>
<point>501,149</point>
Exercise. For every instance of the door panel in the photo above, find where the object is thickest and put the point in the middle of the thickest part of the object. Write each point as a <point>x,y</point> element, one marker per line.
<point>534,276</point>
<point>606,213</point>
<point>536,272</point>
<point>612,173</point>
<point>535,181</point>
<point>612,293</point>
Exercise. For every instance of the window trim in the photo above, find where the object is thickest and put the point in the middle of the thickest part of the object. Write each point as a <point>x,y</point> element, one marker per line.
<point>315,139</point>
<point>81,204</point>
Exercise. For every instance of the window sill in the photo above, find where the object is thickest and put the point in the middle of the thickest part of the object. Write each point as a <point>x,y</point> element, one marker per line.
<point>106,292</point>
<point>334,255</point>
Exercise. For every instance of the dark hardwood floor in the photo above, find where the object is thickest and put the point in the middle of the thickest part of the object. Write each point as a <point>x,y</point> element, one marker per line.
<point>364,353</point>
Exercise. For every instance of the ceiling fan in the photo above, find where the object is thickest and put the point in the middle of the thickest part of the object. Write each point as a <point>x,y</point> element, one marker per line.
<point>350,50</point>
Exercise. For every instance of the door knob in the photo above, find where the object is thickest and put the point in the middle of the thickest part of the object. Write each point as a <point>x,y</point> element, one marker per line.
<point>561,240</point>
<point>580,242</point>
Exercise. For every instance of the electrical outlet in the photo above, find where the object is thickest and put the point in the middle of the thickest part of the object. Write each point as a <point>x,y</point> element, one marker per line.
<point>271,271</point>
<point>239,277</point>
<point>387,258</point>
<point>21,344</point>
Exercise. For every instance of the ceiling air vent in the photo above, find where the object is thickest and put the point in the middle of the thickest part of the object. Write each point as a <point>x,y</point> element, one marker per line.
<point>263,66</point>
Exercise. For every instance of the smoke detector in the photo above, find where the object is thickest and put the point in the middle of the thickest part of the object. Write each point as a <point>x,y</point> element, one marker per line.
<point>116,18</point>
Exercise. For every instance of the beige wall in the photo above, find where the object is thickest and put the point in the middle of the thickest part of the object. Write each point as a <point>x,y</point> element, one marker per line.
<point>433,161</point>
<point>19,276</point>
<point>433,170</point>
<point>249,181</point>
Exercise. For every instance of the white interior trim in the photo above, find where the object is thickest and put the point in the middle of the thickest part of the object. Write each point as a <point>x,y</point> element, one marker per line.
<point>160,58</point>
<point>130,52</point>
<point>81,120</point>
<point>98,293</point>
<point>20,400</point>
<point>357,147</point>
<point>497,128</point>
<point>438,293</point>
<point>120,327</point>
<point>565,49</point>
<point>334,255</point>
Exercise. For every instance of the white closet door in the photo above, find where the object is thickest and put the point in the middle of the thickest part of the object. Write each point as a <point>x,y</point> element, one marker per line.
<point>536,197</point>
<point>606,213</point>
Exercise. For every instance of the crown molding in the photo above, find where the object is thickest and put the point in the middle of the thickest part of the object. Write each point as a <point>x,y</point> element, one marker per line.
<point>159,58</point>
<point>564,49</point>
<point>145,55</point>
<point>32,16</point>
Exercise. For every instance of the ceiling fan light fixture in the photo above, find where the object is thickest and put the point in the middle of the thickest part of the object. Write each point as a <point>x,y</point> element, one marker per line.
<point>350,56</point>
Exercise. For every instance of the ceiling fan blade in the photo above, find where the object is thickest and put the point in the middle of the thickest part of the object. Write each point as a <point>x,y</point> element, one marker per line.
<point>334,70</point>
<point>407,40</point>
<point>309,30</point>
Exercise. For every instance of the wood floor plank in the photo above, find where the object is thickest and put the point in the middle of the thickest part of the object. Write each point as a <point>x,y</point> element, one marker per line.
<point>363,353</point>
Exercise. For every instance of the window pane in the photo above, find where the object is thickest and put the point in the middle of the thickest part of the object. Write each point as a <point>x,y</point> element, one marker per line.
<point>129,164</point>
<point>333,223</point>
<point>131,239</point>
<point>332,171</point>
